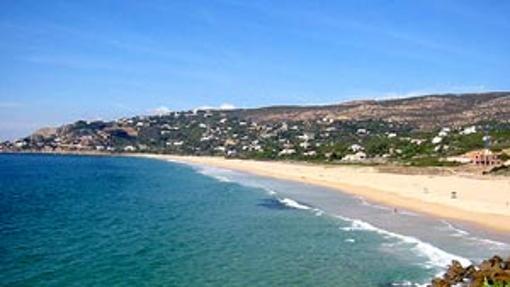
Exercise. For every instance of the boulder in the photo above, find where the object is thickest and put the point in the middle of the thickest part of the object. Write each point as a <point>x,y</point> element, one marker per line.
<point>493,270</point>
<point>455,272</point>
<point>438,282</point>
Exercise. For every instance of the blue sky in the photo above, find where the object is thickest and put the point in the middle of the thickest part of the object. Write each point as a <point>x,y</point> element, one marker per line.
<point>94,59</point>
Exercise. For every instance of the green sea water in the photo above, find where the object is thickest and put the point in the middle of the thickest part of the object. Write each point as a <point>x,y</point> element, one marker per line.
<point>116,221</point>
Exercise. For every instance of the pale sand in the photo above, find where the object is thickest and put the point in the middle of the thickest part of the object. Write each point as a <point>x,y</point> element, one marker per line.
<point>483,201</point>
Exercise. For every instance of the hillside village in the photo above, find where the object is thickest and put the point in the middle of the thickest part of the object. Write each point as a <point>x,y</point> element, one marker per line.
<point>223,133</point>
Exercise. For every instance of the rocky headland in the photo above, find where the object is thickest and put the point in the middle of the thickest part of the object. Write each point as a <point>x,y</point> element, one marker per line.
<point>491,272</point>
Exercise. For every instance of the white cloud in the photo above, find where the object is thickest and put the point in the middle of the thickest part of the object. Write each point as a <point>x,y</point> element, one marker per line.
<point>162,110</point>
<point>227,106</point>
<point>224,106</point>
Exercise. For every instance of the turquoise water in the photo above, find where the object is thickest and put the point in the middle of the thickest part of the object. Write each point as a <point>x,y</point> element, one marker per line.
<point>115,221</point>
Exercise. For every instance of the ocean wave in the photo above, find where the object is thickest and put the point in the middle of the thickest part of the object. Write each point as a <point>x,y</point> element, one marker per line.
<point>269,191</point>
<point>458,231</point>
<point>293,204</point>
<point>462,233</point>
<point>408,213</point>
<point>318,212</point>
<point>366,203</point>
<point>382,207</point>
<point>436,257</point>
<point>216,173</point>
<point>222,178</point>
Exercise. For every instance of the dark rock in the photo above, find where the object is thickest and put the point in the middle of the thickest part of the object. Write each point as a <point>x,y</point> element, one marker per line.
<point>455,272</point>
<point>493,270</point>
<point>438,282</point>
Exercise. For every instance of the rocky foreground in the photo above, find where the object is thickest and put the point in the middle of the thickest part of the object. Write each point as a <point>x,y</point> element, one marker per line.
<point>492,272</point>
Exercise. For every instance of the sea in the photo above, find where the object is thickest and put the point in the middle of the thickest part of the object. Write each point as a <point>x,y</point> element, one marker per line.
<point>70,220</point>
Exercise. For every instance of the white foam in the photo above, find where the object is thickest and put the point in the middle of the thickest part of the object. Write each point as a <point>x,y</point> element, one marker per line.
<point>318,212</point>
<point>216,173</point>
<point>409,213</point>
<point>382,207</point>
<point>294,204</point>
<point>462,233</point>
<point>222,178</point>
<point>436,256</point>
<point>366,203</point>
<point>350,240</point>
<point>458,231</point>
<point>270,191</point>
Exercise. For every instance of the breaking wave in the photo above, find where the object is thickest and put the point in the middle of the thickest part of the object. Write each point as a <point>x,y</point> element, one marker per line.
<point>293,204</point>
<point>382,207</point>
<point>436,257</point>
<point>216,173</point>
<point>466,235</point>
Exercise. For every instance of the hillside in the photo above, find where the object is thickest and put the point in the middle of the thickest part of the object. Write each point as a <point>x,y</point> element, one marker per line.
<point>417,131</point>
<point>425,112</point>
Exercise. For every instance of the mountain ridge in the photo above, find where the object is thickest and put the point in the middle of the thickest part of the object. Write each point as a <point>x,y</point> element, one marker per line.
<point>421,131</point>
<point>445,109</point>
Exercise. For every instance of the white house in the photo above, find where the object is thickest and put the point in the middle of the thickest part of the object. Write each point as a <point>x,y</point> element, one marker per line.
<point>469,130</point>
<point>459,159</point>
<point>356,148</point>
<point>417,141</point>
<point>437,140</point>
<point>129,148</point>
<point>310,153</point>
<point>287,151</point>
<point>304,145</point>
<point>359,156</point>
<point>444,132</point>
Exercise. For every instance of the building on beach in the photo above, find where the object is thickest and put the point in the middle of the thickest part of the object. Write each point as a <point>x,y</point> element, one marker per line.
<point>484,157</point>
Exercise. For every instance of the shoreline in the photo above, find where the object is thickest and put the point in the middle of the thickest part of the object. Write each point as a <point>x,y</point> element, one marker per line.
<point>426,194</point>
<point>480,202</point>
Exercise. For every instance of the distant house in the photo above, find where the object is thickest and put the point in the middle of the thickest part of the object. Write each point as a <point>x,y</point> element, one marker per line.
<point>484,157</point>
<point>307,136</point>
<point>220,148</point>
<point>356,148</point>
<point>417,141</point>
<point>304,145</point>
<point>129,148</point>
<point>231,153</point>
<point>287,151</point>
<point>459,159</point>
<point>437,140</point>
<point>359,156</point>
<point>310,153</point>
<point>468,130</point>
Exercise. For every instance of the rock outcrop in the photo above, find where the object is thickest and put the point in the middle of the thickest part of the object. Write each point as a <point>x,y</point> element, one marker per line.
<point>492,272</point>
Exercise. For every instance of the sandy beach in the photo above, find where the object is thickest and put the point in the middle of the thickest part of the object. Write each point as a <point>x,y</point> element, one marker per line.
<point>481,201</point>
